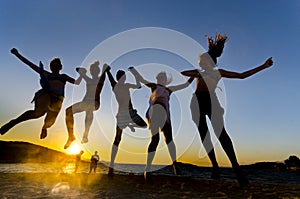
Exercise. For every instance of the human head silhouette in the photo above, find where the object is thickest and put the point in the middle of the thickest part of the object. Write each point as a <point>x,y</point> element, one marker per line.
<point>121,77</point>
<point>55,65</point>
<point>206,62</point>
<point>95,69</point>
<point>216,46</point>
<point>162,78</point>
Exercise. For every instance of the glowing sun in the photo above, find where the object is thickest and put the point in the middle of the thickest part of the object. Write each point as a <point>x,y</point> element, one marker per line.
<point>74,149</point>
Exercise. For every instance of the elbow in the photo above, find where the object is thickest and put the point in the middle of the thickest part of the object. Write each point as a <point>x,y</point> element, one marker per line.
<point>183,73</point>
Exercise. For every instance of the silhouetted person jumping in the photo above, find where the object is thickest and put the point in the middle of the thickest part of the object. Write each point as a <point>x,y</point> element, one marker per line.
<point>89,103</point>
<point>127,116</point>
<point>158,116</point>
<point>205,103</point>
<point>47,100</point>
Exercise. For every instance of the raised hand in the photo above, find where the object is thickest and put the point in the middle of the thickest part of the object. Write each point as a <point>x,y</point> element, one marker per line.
<point>80,70</point>
<point>41,65</point>
<point>14,51</point>
<point>106,67</point>
<point>268,62</point>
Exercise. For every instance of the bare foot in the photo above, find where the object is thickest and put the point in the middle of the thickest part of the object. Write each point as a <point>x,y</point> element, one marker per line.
<point>69,142</point>
<point>43,134</point>
<point>147,176</point>
<point>84,140</point>
<point>110,172</point>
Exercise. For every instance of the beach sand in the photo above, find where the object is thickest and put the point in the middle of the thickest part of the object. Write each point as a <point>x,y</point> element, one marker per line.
<point>82,185</point>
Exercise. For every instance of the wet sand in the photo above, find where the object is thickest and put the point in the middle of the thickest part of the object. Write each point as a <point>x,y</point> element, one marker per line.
<point>51,185</point>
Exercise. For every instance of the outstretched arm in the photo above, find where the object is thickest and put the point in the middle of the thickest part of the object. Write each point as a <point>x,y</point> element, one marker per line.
<point>230,74</point>
<point>26,61</point>
<point>102,76</point>
<point>190,73</point>
<point>181,86</point>
<point>70,79</point>
<point>138,83</point>
<point>138,76</point>
<point>111,78</point>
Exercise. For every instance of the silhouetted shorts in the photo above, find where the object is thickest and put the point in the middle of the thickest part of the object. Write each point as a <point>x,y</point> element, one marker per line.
<point>126,118</point>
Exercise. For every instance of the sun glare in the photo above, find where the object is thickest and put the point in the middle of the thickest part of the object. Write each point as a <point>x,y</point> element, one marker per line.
<point>74,149</point>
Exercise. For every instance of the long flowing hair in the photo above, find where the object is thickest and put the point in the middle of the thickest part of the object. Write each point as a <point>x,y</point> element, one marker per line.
<point>216,45</point>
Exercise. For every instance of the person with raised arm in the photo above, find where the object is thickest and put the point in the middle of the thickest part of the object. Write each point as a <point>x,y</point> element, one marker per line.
<point>47,100</point>
<point>205,103</point>
<point>89,103</point>
<point>127,116</point>
<point>158,116</point>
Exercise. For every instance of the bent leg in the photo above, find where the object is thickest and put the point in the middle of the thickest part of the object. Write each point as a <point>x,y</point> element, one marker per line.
<point>89,116</point>
<point>40,108</point>
<point>75,108</point>
<point>137,119</point>
<point>28,115</point>
<point>48,122</point>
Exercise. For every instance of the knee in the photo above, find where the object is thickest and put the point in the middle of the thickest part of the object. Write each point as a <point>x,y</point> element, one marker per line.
<point>168,139</point>
<point>154,143</point>
<point>203,129</point>
<point>38,114</point>
<point>69,112</point>
<point>49,123</point>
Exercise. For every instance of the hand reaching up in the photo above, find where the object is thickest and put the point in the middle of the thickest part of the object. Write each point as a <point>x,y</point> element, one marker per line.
<point>268,62</point>
<point>14,51</point>
<point>80,70</point>
<point>106,67</point>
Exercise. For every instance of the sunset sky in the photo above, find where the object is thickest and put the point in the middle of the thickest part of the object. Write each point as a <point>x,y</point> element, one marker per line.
<point>262,112</point>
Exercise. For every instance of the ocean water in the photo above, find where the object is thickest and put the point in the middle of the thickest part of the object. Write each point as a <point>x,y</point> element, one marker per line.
<point>261,175</point>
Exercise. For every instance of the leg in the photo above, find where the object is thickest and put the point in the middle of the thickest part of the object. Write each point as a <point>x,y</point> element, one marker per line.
<point>75,108</point>
<point>151,153</point>
<point>114,150</point>
<point>167,130</point>
<point>40,107</point>
<point>48,122</point>
<point>137,119</point>
<point>28,115</point>
<point>138,122</point>
<point>91,168</point>
<point>207,143</point>
<point>229,150</point>
<point>89,116</point>
<point>218,125</point>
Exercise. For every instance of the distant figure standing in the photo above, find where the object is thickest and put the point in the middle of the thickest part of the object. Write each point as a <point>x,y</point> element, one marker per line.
<point>77,160</point>
<point>89,103</point>
<point>205,103</point>
<point>127,116</point>
<point>94,160</point>
<point>47,100</point>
